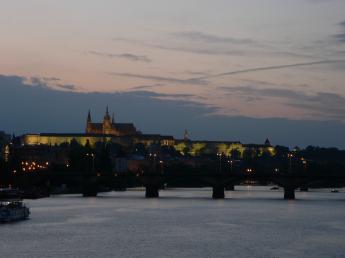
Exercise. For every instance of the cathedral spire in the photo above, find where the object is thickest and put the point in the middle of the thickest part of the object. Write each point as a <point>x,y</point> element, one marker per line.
<point>186,135</point>
<point>89,117</point>
<point>88,122</point>
<point>107,116</point>
<point>267,142</point>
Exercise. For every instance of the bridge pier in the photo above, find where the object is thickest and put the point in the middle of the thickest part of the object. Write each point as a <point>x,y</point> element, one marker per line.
<point>218,192</point>
<point>152,191</point>
<point>304,188</point>
<point>289,193</point>
<point>90,193</point>
<point>230,187</point>
<point>90,187</point>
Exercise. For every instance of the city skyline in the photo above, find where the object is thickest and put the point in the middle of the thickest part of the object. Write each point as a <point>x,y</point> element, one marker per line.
<point>160,128</point>
<point>233,70</point>
<point>64,112</point>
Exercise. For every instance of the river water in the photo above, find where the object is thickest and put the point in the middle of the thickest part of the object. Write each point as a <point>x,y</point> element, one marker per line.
<point>250,222</point>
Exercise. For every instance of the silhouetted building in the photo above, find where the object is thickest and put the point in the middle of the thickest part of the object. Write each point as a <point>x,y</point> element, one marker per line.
<point>267,142</point>
<point>4,141</point>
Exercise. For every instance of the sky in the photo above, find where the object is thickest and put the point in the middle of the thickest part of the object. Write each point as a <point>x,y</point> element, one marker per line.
<point>214,67</point>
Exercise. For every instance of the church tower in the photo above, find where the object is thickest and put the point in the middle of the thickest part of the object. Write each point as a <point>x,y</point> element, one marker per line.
<point>107,128</point>
<point>186,135</point>
<point>267,142</point>
<point>89,123</point>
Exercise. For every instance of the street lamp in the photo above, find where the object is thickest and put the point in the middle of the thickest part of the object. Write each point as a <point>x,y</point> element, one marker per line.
<point>154,155</point>
<point>161,162</point>
<point>93,160</point>
<point>220,162</point>
<point>249,170</point>
<point>304,162</point>
<point>231,162</point>
<point>290,156</point>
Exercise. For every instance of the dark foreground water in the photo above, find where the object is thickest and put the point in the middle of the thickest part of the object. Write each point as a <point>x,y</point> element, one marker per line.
<point>251,222</point>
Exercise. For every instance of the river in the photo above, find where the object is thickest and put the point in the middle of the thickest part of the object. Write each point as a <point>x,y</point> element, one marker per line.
<point>250,222</point>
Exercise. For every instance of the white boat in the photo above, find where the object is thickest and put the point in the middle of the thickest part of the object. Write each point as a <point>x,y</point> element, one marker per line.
<point>11,206</point>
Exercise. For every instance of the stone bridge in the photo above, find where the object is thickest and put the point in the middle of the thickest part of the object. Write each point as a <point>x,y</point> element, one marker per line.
<point>219,182</point>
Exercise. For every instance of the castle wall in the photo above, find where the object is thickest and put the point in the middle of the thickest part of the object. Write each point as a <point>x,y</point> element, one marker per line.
<point>230,149</point>
<point>36,139</point>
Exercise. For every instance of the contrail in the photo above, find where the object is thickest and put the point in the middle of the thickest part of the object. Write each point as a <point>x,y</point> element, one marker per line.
<point>267,68</point>
<point>203,79</point>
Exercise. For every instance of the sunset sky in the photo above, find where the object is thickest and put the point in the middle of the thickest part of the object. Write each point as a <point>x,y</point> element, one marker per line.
<point>252,59</point>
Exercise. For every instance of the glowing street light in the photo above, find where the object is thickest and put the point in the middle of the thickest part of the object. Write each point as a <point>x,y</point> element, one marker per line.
<point>220,162</point>
<point>92,155</point>
<point>161,162</point>
<point>304,162</point>
<point>153,164</point>
<point>249,170</point>
<point>290,156</point>
<point>231,162</point>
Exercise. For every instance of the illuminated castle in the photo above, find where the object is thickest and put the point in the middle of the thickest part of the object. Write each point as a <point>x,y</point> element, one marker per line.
<point>127,135</point>
<point>109,127</point>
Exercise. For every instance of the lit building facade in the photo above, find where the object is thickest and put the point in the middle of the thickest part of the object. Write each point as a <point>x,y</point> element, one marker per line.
<point>108,131</point>
<point>126,134</point>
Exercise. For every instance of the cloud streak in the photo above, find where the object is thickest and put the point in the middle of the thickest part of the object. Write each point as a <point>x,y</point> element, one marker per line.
<point>200,43</point>
<point>51,82</point>
<point>322,104</point>
<point>128,56</point>
<point>209,38</point>
<point>341,36</point>
<point>269,68</point>
<point>69,87</point>
<point>204,80</point>
<point>162,79</point>
<point>188,49</point>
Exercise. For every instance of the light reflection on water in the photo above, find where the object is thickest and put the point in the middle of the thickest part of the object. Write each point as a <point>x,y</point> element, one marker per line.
<point>250,222</point>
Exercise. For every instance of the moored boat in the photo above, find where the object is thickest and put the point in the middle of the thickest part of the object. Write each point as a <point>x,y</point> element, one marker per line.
<point>11,206</point>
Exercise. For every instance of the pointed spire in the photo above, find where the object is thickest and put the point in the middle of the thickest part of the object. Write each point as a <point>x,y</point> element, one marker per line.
<point>107,117</point>
<point>113,119</point>
<point>267,142</point>
<point>186,135</point>
<point>89,117</point>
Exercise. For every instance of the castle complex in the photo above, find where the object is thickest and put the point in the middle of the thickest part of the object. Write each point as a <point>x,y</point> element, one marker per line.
<point>108,131</point>
<point>127,135</point>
